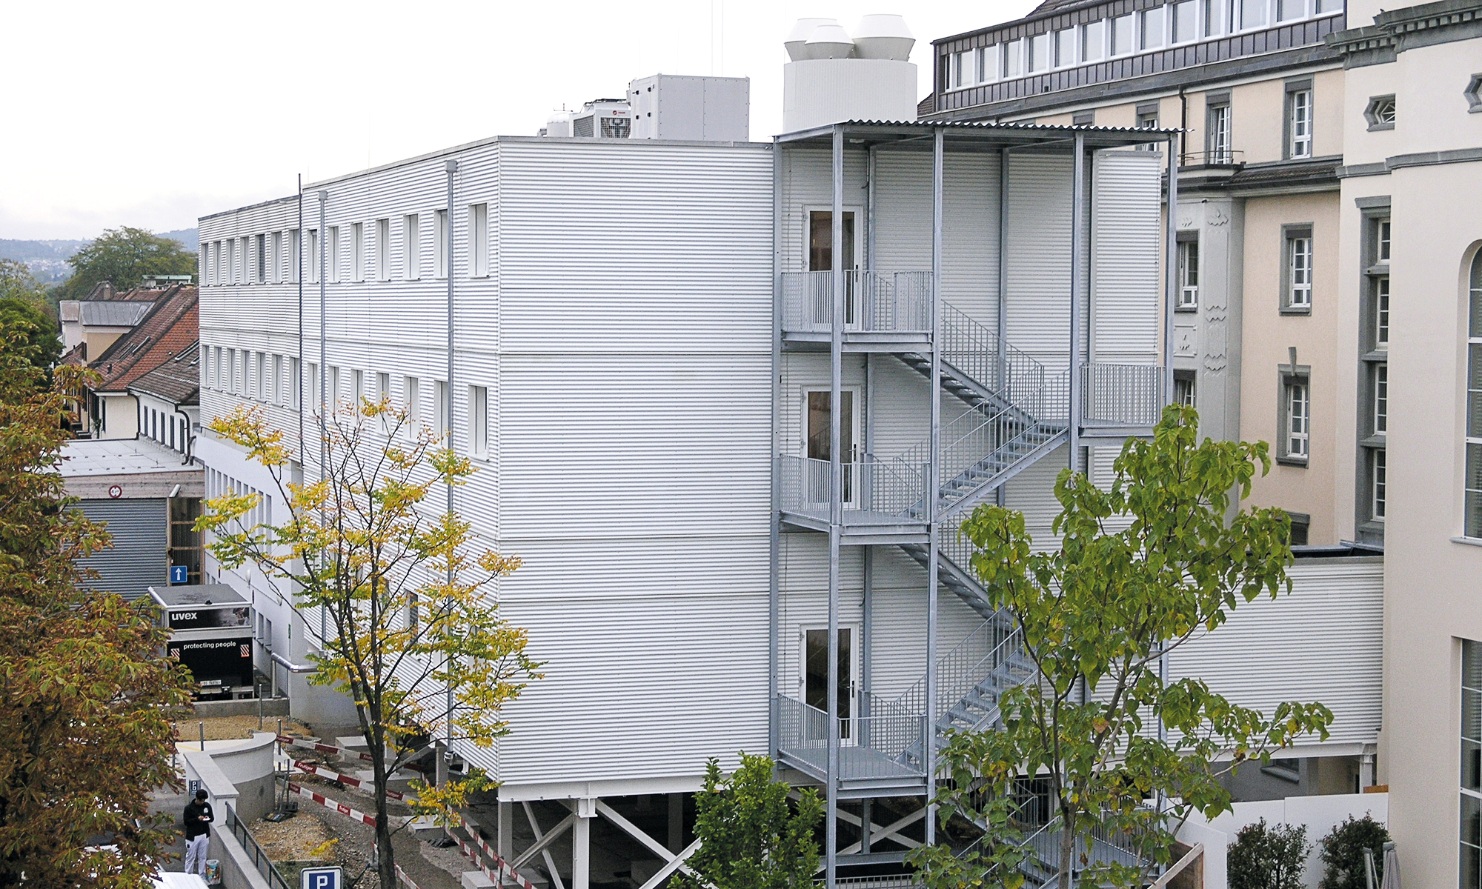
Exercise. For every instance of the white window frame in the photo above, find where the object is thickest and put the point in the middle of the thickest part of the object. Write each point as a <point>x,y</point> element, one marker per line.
<point>1298,258</point>
<point>1188,275</point>
<point>478,421</point>
<point>1062,39</point>
<point>411,247</point>
<point>1378,481</point>
<point>383,249</point>
<point>357,253</point>
<point>440,235</point>
<point>1296,417</point>
<point>1299,123</point>
<point>1093,41</point>
<point>478,240</point>
<point>411,395</point>
<point>1176,14</point>
<point>1219,146</point>
<point>334,254</point>
<point>441,410</point>
<point>1472,389</point>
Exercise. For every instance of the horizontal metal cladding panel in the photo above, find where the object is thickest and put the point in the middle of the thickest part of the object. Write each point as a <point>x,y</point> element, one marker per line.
<point>138,558</point>
<point>898,644</point>
<point>802,565</point>
<point>654,562</point>
<point>1038,257</point>
<point>808,184</point>
<point>970,217</point>
<point>808,610</point>
<point>604,445</point>
<point>1322,642</point>
<point>1126,238</point>
<point>231,312</point>
<point>1102,475</point>
<point>611,248</point>
<point>638,687</point>
<point>1032,492</point>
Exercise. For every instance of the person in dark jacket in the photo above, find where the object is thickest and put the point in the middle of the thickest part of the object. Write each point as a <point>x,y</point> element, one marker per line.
<point>198,818</point>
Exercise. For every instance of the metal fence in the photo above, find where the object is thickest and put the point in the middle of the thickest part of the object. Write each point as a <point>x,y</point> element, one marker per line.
<point>259,858</point>
<point>1122,394</point>
<point>874,302</point>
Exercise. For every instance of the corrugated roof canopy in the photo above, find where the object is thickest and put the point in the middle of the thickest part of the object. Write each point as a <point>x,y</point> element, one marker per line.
<point>978,135</point>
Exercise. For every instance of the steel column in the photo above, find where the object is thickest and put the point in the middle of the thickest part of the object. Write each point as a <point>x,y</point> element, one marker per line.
<point>1000,494</point>
<point>1170,259</point>
<point>774,535</point>
<point>1077,213</point>
<point>836,505</point>
<point>933,486</point>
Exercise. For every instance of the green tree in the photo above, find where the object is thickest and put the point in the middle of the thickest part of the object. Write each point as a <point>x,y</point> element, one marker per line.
<point>411,637</point>
<point>1142,568</point>
<point>24,308</point>
<point>85,692</point>
<point>1343,852</point>
<point>751,836</point>
<point>125,256</point>
<point>1265,857</point>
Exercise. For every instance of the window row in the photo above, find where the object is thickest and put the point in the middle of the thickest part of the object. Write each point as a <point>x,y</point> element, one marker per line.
<point>1179,22</point>
<point>359,251</point>
<point>275,380</point>
<point>170,430</point>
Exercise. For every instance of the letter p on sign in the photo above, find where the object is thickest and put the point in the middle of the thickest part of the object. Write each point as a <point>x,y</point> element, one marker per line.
<point>320,878</point>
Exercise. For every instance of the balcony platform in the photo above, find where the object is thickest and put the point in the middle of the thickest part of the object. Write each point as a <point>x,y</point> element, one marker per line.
<point>880,342</point>
<point>863,772</point>
<point>862,528</point>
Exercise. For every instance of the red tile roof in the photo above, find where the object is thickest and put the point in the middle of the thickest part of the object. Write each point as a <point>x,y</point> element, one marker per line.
<point>170,328</point>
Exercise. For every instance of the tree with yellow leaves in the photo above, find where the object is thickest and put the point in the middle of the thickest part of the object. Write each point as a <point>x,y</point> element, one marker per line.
<point>410,631</point>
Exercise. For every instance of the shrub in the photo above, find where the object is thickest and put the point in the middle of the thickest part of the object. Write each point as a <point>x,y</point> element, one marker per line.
<point>1343,852</point>
<point>1265,857</point>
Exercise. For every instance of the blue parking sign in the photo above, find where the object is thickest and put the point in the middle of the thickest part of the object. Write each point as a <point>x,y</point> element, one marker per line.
<point>319,878</point>
<point>179,574</point>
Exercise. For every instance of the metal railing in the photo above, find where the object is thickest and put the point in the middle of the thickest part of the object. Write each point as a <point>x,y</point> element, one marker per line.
<point>260,858</point>
<point>874,302</point>
<point>875,735</point>
<point>975,352</point>
<point>985,655</point>
<point>874,492</point>
<point>1122,394</point>
<point>899,881</point>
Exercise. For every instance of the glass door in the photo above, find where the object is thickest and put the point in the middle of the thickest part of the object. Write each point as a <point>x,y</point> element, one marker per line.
<point>821,259</point>
<point>817,440</point>
<point>815,678</point>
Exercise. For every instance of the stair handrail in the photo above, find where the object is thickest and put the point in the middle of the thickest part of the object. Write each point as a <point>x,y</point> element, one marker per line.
<point>977,352</point>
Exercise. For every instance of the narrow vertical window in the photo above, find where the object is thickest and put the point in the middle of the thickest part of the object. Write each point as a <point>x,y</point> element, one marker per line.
<point>412,400</point>
<point>295,260</point>
<point>313,256</point>
<point>1473,479</point>
<point>1093,41</point>
<point>1299,123</point>
<point>357,252</point>
<point>440,245</point>
<point>1217,142</point>
<point>357,388</point>
<point>1297,270</point>
<point>1381,399</point>
<point>1471,763</point>
<point>1185,23</point>
<point>1376,486</point>
<point>260,259</point>
<point>383,249</point>
<point>1381,312</point>
<point>295,384</point>
<point>1151,36</point>
<point>1039,53</point>
<point>478,421</point>
<point>442,408</point>
<point>334,386</point>
<point>1184,389</point>
<point>478,240</point>
<point>411,248</point>
<point>383,386</point>
<point>1296,417</point>
<point>1188,275</point>
<point>334,254</point>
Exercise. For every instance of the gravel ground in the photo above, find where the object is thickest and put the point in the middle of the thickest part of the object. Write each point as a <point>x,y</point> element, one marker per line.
<point>318,834</point>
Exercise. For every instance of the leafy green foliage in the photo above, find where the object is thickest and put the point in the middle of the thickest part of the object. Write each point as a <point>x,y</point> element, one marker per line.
<point>751,836</point>
<point>1343,852</point>
<point>1265,857</point>
<point>85,693</point>
<point>412,635</point>
<point>1142,568</point>
<point>125,256</point>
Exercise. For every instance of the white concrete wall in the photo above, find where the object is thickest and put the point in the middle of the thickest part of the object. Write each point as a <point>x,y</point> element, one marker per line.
<point>1319,814</point>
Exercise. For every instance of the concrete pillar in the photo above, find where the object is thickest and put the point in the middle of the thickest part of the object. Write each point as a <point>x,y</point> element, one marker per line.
<point>506,839</point>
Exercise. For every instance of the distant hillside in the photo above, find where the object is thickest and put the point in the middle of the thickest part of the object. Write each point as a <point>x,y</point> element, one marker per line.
<point>186,236</point>
<point>47,260</point>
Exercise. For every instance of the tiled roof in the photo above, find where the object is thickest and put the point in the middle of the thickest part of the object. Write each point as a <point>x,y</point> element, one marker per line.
<point>177,380</point>
<point>171,327</point>
<point>76,356</point>
<point>113,313</point>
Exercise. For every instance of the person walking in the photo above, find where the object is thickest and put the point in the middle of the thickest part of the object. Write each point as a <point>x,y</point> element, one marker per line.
<point>198,818</point>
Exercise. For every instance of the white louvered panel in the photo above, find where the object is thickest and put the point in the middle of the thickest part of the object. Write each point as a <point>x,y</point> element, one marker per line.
<point>808,609</point>
<point>651,565</point>
<point>1125,247</point>
<point>899,658</point>
<point>803,564</point>
<point>607,445</point>
<point>1039,257</point>
<point>1322,642</point>
<point>640,687</point>
<point>903,211</point>
<point>635,248</point>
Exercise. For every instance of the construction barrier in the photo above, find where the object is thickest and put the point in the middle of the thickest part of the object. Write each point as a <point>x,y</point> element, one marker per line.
<point>403,880</point>
<point>347,780</point>
<point>337,751</point>
<point>501,869</point>
<point>328,803</point>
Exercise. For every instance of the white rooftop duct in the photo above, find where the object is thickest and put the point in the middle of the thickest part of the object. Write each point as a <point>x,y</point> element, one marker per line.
<point>798,36</point>
<point>828,42</point>
<point>883,36</point>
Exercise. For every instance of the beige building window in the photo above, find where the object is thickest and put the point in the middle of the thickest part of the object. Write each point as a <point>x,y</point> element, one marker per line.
<point>1380,113</point>
<point>478,421</point>
<point>1217,145</point>
<point>1296,289</point>
<point>1473,480</point>
<point>1295,421</point>
<point>1188,273</point>
<point>1471,763</point>
<point>1299,123</point>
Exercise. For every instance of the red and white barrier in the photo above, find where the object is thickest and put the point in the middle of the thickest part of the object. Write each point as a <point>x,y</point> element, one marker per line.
<point>501,869</point>
<point>331,749</point>
<point>403,880</point>
<point>347,780</point>
<point>328,803</point>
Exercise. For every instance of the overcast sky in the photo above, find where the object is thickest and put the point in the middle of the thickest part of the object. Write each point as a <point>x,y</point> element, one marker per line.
<point>151,113</point>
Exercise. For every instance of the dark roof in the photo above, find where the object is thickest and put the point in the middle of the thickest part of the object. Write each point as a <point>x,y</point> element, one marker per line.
<point>171,326</point>
<point>177,380</point>
<point>112,313</point>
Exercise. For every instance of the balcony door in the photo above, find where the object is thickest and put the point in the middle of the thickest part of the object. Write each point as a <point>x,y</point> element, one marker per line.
<point>815,678</point>
<point>817,416</point>
<point>821,256</point>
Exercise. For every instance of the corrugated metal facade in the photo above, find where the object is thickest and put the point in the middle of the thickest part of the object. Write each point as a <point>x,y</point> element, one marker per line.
<point>1126,241</point>
<point>623,335</point>
<point>139,557</point>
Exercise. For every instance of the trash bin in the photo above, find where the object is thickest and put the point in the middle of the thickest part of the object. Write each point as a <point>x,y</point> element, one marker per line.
<point>213,872</point>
